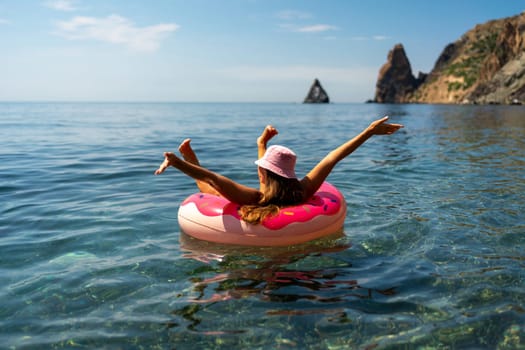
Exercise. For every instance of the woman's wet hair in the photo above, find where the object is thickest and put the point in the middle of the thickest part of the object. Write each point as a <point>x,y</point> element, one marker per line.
<point>278,192</point>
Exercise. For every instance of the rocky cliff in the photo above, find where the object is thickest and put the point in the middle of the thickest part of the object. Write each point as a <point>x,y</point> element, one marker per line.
<point>396,83</point>
<point>316,94</point>
<point>486,65</point>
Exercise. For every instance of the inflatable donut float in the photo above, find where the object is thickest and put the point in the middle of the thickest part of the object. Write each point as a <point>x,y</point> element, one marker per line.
<point>215,219</point>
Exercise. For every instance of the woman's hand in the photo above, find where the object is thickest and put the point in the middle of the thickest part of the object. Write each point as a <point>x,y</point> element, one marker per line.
<point>268,132</point>
<point>379,127</point>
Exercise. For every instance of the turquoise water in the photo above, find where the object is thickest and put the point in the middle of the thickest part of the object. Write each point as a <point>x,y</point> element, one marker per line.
<point>91,255</point>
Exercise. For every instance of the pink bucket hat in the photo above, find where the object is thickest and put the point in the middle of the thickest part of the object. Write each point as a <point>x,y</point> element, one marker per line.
<point>279,160</point>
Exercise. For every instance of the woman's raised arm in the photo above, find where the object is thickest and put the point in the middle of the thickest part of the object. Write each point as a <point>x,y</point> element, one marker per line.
<point>315,178</point>
<point>268,132</point>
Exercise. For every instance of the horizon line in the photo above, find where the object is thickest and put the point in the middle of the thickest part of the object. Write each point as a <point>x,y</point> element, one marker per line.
<point>162,101</point>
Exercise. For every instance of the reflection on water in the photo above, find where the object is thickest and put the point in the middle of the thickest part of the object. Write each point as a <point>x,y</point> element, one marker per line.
<point>272,276</point>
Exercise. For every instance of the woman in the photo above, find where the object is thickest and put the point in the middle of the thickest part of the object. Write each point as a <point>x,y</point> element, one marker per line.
<point>279,186</point>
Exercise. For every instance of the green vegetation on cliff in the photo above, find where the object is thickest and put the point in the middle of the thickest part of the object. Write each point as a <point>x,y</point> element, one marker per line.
<point>469,67</point>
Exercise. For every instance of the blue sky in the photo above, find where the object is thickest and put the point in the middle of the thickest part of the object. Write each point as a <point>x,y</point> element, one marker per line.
<point>220,50</point>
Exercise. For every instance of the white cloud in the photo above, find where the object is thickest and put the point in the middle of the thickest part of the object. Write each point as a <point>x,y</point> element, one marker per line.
<point>292,17</point>
<point>4,21</point>
<point>367,38</point>
<point>62,5</point>
<point>316,28</point>
<point>116,30</point>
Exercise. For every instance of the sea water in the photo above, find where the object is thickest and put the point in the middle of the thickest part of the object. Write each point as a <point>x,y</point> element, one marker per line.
<point>91,254</point>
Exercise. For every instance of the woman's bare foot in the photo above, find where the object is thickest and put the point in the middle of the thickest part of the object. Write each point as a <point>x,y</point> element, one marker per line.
<point>189,155</point>
<point>187,152</point>
<point>165,164</point>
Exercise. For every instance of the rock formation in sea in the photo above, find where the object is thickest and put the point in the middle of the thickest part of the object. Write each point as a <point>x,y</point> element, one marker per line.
<point>316,94</point>
<point>396,82</point>
<point>485,66</point>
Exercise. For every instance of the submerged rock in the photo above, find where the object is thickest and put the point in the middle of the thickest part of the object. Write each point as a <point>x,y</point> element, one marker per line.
<point>316,94</point>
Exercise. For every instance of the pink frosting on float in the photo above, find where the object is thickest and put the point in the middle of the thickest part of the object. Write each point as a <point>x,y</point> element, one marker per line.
<point>326,201</point>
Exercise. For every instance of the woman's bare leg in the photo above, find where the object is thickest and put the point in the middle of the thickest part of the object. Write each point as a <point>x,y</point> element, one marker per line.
<point>189,155</point>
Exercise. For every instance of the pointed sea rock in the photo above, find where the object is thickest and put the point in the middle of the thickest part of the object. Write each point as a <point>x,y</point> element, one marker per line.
<point>396,82</point>
<point>316,94</point>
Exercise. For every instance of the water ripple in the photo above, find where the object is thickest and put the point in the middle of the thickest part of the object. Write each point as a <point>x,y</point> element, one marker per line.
<point>92,255</point>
